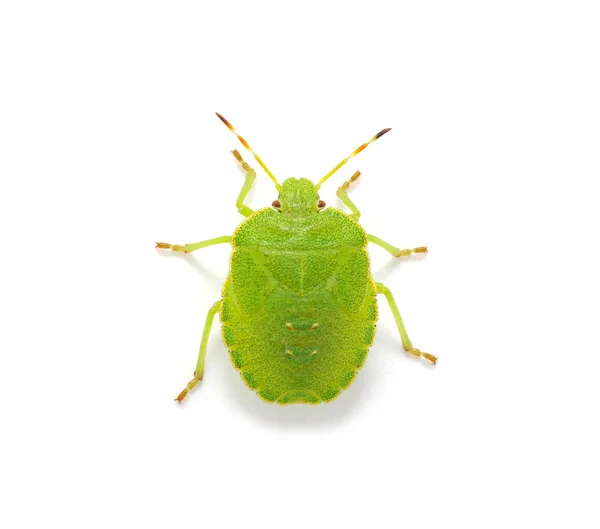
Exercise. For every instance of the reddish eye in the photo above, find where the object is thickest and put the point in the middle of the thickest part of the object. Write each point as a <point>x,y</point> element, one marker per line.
<point>276,204</point>
<point>321,204</point>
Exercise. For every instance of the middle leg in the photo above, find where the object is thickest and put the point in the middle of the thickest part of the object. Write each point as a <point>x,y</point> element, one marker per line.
<point>396,252</point>
<point>199,371</point>
<point>406,343</point>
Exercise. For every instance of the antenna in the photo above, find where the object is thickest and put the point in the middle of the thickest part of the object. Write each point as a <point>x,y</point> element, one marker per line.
<point>245,144</point>
<point>361,148</point>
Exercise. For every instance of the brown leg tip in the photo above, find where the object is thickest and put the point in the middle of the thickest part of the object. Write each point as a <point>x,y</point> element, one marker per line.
<point>420,249</point>
<point>431,358</point>
<point>188,388</point>
<point>174,247</point>
<point>417,352</point>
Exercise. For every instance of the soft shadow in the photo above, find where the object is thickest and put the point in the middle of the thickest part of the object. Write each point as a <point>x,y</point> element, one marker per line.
<point>192,261</point>
<point>303,416</point>
<point>392,265</point>
<point>345,407</point>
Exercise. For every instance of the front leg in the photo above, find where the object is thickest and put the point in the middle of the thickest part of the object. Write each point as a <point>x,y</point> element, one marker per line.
<point>199,371</point>
<point>250,177</point>
<point>342,192</point>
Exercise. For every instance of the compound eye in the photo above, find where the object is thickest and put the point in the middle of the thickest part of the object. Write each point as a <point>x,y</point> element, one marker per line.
<point>276,204</point>
<point>321,204</point>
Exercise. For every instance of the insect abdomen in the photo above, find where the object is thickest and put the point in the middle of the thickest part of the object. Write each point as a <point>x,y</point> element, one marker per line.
<point>298,337</point>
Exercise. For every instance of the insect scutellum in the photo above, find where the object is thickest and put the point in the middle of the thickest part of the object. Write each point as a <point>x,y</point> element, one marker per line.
<point>300,196</point>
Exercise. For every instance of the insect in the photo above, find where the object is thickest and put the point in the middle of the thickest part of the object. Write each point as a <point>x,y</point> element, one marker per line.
<point>299,305</point>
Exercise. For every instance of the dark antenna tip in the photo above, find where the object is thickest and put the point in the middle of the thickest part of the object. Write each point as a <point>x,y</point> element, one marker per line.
<point>222,118</point>
<point>379,134</point>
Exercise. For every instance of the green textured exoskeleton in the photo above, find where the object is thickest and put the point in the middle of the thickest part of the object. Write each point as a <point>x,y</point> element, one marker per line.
<point>299,306</point>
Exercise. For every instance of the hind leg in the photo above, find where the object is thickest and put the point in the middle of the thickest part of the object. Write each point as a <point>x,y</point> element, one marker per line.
<point>199,371</point>
<point>406,343</point>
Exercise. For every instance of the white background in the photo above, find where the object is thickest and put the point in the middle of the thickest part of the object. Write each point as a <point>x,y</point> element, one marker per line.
<point>108,143</point>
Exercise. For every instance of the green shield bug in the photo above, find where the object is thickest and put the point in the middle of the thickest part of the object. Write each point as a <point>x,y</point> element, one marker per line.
<point>299,306</point>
